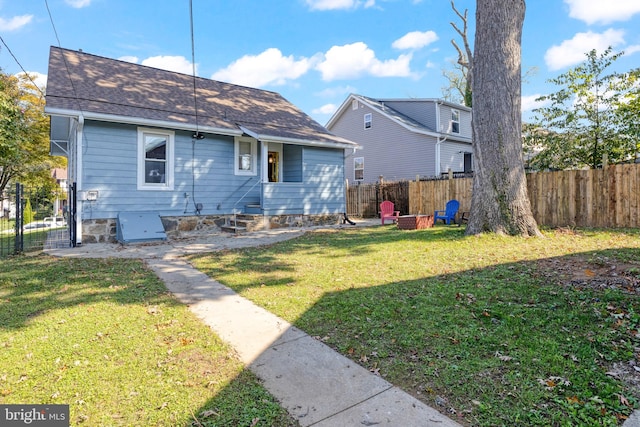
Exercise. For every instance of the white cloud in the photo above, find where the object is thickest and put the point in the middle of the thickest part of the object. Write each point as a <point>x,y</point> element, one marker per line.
<point>630,50</point>
<point>529,102</point>
<point>78,4</point>
<point>15,23</point>
<point>38,78</point>
<point>326,109</point>
<point>415,40</point>
<point>573,51</point>
<point>268,68</point>
<point>128,58</point>
<point>178,64</point>
<point>603,12</point>
<point>339,4</point>
<point>333,92</point>
<point>354,60</point>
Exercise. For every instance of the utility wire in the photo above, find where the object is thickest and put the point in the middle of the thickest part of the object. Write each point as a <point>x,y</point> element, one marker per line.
<point>193,65</point>
<point>21,67</point>
<point>64,59</point>
<point>197,135</point>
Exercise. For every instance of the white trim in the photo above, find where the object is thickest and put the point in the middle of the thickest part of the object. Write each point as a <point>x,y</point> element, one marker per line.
<point>370,121</point>
<point>168,183</point>
<point>264,150</point>
<point>78,177</point>
<point>457,113</point>
<point>253,159</point>
<point>358,160</point>
<point>295,141</point>
<point>276,147</point>
<point>206,129</point>
<point>142,122</point>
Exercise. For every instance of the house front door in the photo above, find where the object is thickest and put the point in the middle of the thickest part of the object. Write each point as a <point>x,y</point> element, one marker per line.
<point>274,166</point>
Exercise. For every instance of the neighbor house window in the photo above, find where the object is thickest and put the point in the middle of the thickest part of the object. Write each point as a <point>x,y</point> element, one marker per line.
<point>455,121</point>
<point>358,168</point>
<point>367,121</point>
<point>155,159</point>
<point>245,155</point>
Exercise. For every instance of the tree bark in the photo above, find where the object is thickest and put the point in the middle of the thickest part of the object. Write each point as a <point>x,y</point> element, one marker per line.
<point>500,203</point>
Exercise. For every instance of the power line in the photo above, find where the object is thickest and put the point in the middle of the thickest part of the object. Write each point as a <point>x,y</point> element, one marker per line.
<point>21,67</point>
<point>64,58</point>
<point>197,135</point>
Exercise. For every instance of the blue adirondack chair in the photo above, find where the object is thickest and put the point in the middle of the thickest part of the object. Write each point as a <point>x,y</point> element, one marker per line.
<point>449,213</point>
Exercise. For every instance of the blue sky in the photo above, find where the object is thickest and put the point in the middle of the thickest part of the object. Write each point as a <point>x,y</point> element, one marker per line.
<point>313,52</point>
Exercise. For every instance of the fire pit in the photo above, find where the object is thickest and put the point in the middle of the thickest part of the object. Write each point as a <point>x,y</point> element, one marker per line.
<point>415,222</point>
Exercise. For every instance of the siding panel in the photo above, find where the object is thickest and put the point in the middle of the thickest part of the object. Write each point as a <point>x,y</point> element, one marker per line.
<point>204,170</point>
<point>388,149</point>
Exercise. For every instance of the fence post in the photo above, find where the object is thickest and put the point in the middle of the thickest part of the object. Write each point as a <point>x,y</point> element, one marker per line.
<point>19,240</point>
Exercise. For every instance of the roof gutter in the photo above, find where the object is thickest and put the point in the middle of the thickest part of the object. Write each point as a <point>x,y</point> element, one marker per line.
<point>140,121</point>
<point>296,141</point>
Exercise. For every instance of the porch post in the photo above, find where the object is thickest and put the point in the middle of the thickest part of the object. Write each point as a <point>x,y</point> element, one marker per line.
<point>264,169</point>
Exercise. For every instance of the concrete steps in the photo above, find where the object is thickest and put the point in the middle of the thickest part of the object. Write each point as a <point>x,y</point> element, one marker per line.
<point>244,222</point>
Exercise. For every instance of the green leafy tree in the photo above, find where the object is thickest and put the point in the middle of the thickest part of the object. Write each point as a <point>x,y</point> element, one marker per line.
<point>628,111</point>
<point>24,134</point>
<point>582,122</point>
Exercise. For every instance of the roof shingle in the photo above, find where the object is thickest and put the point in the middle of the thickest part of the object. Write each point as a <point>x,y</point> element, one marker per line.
<point>89,84</point>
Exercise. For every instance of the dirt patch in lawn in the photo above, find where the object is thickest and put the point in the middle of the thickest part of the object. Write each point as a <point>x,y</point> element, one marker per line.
<point>602,273</point>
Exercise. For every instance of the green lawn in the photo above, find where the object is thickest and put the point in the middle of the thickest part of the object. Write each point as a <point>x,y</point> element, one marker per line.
<point>491,330</point>
<point>105,337</point>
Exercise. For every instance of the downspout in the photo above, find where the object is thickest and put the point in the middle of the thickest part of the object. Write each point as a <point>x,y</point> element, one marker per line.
<point>439,141</point>
<point>78,173</point>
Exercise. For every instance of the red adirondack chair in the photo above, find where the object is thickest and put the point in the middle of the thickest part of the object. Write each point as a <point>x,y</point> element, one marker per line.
<point>387,212</point>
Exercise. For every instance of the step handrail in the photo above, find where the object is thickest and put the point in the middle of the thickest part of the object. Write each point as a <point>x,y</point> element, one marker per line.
<point>235,211</point>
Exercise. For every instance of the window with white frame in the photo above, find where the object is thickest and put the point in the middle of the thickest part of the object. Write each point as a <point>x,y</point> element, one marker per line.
<point>455,121</point>
<point>155,159</point>
<point>246,156</point>
<point>358,168</point>
<point>367,121</point>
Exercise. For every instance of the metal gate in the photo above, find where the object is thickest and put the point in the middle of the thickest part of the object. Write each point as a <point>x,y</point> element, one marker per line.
<point>32,220</point>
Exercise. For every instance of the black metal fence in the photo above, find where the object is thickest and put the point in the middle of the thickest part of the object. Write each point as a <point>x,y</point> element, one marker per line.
<point>32,220</point>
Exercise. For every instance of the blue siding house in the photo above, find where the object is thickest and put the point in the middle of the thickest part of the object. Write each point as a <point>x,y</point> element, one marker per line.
<point>401,139</point>
<point>194,151</point>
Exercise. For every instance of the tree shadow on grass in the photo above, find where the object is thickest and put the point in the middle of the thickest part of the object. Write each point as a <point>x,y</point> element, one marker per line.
<point>535,342</point>
<point>33,285</point>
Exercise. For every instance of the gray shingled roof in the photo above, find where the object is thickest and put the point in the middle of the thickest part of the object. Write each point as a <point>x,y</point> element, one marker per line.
<point>111,89</point>
<point>379,104</point>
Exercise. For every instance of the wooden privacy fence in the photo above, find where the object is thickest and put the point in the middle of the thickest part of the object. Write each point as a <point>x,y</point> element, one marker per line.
<point>608,197</point>
<point>364,200</point>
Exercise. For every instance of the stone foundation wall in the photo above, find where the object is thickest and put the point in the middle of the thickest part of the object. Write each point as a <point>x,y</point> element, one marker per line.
<point>104,230</point>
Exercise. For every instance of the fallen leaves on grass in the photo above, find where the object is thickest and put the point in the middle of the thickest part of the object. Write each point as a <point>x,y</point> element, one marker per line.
<point>552,382</point>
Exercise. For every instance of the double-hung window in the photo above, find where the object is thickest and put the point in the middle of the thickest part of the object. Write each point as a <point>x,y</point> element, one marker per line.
<point>246,156</point>
<point>358,168</point>
<point>455,121</point>
<point>368,118</point>
<point>155,159</point>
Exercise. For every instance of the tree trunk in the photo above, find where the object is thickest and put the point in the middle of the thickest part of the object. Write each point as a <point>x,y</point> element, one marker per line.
<point>500,202</point>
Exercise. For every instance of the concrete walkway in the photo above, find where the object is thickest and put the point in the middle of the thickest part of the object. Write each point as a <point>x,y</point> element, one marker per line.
<point>318,386</point>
